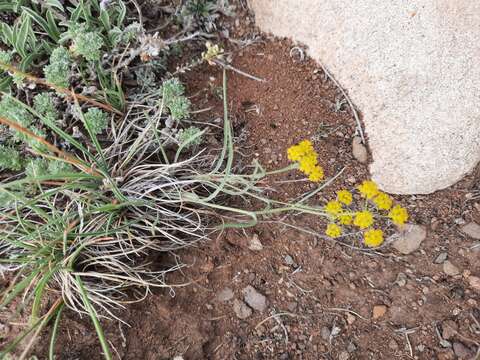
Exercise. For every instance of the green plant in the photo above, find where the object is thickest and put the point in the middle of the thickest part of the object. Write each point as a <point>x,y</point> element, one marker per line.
<point>10,159</point>
<point>203,14</point>
<point>57,71</point>
<point>87,231</point>
<point>87,44</point>
<point>190,137</point>
<point>95,120</point>
<point>44,104</point>
<point>173,97</point>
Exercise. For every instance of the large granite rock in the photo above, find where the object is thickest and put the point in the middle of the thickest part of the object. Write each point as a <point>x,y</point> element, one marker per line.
<point>413,70</point>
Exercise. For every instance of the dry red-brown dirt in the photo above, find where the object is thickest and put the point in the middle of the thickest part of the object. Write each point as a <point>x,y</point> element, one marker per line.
<point>320,295</point>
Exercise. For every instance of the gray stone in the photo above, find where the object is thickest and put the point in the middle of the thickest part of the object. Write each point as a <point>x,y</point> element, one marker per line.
<point>254,299</point>
<point>441,258</point>
<point>359,150</point>
<point>241,309</point>
<point>450,269</point>
<point>410,67</point>
<point>225,295</point>
<point>410,238</point>
<point>289,260</point>
<point>471,229</point>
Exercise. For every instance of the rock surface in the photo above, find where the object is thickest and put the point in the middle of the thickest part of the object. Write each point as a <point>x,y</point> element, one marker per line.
<point>410,69</point>
<point>410,239</point>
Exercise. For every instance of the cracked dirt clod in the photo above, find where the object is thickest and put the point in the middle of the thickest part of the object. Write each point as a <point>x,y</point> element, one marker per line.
<point>241,309</point>
<point>225,295</point>
<point>254,299</point>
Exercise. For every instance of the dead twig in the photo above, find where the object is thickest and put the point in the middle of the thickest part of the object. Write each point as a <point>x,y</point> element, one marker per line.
<point>230,67</point>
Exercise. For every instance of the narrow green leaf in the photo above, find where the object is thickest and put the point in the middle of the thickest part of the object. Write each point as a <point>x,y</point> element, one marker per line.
<point>105,19</point>
<point>93,315</point>
<point>52,25</point>
<point>41,22</point>
<point>56,4</point>
<point>53,337</point>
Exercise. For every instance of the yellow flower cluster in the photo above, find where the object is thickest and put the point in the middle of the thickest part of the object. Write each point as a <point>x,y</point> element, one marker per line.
<point>363,219</point>
<point>333,230</point>
<point>373,237</point>
<point>398,215</point>
<point>383,201</point>
<point>368,189</point>
<point>307,159</point>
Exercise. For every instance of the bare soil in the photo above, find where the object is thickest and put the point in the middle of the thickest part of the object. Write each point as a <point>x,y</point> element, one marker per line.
<point>320,294</point>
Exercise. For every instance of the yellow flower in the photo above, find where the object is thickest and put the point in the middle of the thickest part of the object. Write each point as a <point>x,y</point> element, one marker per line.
<point>368,189</point>
<point>345,219</point>
<point>333,207</point>
<point>333,230</point>
<point>383,201</point>
<point>213,52</point>
<point>296,152</point>
<point>398,214</point>
<point>316,175</point>
<point>344,196</point>
<point>363,219</point>
<point>308,163</point>
<point>373,237</point>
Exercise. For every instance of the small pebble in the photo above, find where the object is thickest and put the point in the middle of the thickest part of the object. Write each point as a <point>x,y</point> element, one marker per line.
<point>289,260</point>
<point>440,258</point>
<point>379,311</point>
<point>410,239</point>
<point>450,269</point>
<point>325,333</point>
<point>474,283</point>
<point>471,229</point>
<point>359,150</point>
<point>255,243</point>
